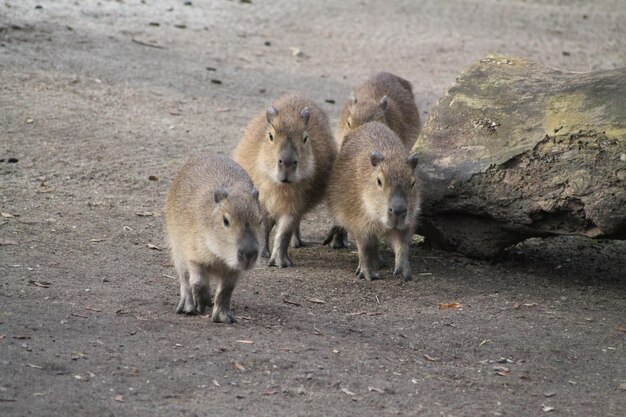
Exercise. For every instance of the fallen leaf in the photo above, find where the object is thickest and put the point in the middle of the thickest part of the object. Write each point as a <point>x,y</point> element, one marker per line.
<point>622,386</point>
<point>30,365</point>
<point>545,408</point>
<point>145,214</point>
<point>217,384</point>
<point>484,342</point>
<point>119,398</point>
<point>369,313</point>
<point>223,109</point>
<point>153,178</point>
<point>346,391</point>
<point>78,355</point>
<point>7,242</point>
<point>269,393</point>
<point>239,366</point>
<point>291,302</point>
<point>295,51</point>
<point>39,394</point>
<point>93,309</point>
<point>373,389</point>
<point>315,300</point>
<point>249,342</point>
<point>549,394</point>
<point>42,284</point>
<point>502,370</point>
<point>142,43</point>
<point>446,306</point>
<point>621,329</point>
<point>517,306</point>
<point>151,246</point>
<point>97,240</point>
<point>430,358</point>
<point>6,215</point>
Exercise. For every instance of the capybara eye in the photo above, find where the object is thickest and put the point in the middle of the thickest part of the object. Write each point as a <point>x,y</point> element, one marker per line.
<point>270,136</point>
<point>305,138</point>
<point>380,183</point>
<point>413,184</point>
<point>348,123</point>
<point>226,222</point>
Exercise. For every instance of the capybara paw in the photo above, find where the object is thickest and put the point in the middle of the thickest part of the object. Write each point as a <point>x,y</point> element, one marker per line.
<point>296,242</point>
<point>280,261</point>
<point>224,316</point>
<point>186,306</point>
<point>402,272</point>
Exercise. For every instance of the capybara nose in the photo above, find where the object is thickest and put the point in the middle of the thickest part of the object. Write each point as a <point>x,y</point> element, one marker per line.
<point>399,210</point>
<point>287,162</point>
<point>248,254</point>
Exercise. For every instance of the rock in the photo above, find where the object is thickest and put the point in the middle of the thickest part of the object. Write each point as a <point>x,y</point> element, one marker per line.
<point>514,150</point>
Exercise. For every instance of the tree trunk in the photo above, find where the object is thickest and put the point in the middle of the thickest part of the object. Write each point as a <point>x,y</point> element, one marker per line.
<point>514,150</point>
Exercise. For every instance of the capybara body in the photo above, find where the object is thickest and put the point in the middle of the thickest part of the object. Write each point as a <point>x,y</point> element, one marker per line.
<point>384,98</point>
<point>213,220</point>
<point>373,193</point>
<point>288,151</point>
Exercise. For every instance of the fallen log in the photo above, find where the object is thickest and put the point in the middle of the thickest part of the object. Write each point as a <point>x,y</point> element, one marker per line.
<point>514,150</point>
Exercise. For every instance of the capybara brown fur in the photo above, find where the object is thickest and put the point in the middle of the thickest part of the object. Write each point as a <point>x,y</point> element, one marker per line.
<point>384,98</point>
<point>288,151</point>
<point>213,221</point>
<point>374,192</point>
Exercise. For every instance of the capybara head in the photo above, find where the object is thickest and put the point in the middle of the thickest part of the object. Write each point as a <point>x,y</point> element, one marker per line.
<point>286,153</point>
<point>232,230</point>
<point>366,110</point>
<point>391,194</point>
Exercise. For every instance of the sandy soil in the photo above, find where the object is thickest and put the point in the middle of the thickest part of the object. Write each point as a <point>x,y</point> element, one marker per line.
<point>98,96</point>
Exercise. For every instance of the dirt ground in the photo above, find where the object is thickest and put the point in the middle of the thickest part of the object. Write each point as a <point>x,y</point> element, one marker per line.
<point>102,101</point>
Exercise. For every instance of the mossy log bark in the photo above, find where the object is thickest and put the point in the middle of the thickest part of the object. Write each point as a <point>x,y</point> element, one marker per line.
<point>514,150</point>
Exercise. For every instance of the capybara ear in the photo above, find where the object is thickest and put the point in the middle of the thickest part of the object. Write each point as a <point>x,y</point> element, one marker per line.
<point>306,115</point>
<point>376,158</point>
<point>383,103</point>
<point>412,160</point>
<point>271,113</point>
<point>255,193</point>
<point>220,194</point>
